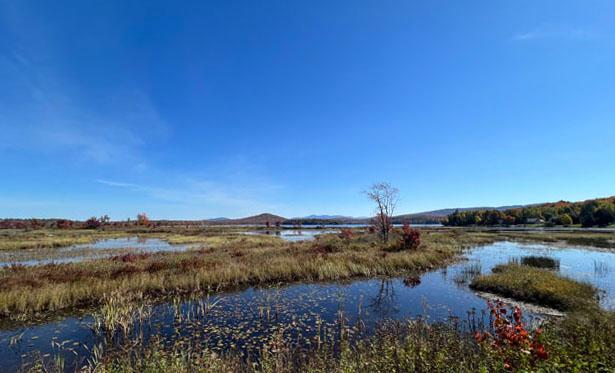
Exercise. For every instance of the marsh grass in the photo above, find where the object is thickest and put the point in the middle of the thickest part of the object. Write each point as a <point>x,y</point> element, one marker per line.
<point>226,262</point>
<point>537,261</point>
<point>467,273</point>
<point>17,239</point>
<point>581,342</point>
<point>604,240</point>
<point>536,285</point>
<point>119,314</point>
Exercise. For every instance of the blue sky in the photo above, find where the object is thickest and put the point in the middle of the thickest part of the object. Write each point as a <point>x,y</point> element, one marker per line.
<point>200,109</point>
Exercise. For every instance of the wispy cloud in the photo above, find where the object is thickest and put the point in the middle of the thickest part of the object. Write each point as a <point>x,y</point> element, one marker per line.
<point>550,32</point>
<point>50,116</point>
<point>44,108</point>
<point>237,199</point>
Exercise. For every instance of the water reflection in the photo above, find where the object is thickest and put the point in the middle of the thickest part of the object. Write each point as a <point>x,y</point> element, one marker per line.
<point>295,235</point>
<point>384,303</point>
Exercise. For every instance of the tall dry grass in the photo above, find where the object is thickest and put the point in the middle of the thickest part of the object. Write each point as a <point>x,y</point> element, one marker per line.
<point>229,262</point>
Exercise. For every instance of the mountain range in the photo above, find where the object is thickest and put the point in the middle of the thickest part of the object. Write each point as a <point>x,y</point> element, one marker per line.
<point>425,217</point>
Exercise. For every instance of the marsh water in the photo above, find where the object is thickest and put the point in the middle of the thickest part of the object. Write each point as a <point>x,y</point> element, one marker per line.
<point>295,235</point>
<point>77,253</point>
<point>117,246</point>
<point>245,320</point>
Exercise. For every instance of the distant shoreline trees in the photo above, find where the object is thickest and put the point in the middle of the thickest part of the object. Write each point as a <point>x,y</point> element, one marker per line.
<point>591,213</point>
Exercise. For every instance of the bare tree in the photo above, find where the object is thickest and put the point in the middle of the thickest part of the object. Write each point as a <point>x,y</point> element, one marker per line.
<point>386,197</point>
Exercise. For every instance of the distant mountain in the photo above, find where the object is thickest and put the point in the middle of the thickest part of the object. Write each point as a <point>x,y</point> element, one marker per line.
<point>426,217</point>
<point>326,217</point>
<point>256,220</point>
<point>219,219</point>
<point>446,212</point>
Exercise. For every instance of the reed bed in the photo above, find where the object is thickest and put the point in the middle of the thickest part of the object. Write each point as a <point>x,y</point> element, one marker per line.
<point>582,342</point>
<point>20,239</point>
<point>226,262</point>
<point>537,285</point>
<point>604,240</point>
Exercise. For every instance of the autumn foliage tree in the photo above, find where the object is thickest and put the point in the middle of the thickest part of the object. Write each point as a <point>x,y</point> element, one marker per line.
<point>597,212</point>
<point>142,219</point>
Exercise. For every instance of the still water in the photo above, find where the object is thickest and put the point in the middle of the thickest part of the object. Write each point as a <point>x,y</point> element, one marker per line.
<point>294,235</point>
<point>77,253</point>
<point>117,246</point>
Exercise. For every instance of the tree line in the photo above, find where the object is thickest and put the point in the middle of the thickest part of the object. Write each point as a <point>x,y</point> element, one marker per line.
<point>91,223</point>
<point>591,213</point>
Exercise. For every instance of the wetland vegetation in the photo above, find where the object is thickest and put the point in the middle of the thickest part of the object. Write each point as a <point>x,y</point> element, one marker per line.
<point>344,300</point>
<point>226,262</point>
<point>581,343</point>
<point>536,285</point>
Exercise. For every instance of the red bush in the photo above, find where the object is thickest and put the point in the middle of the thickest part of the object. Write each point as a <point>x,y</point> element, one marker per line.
<point>346,234</point>
<point>323,248</point>
<point>156,267</point>
<point>92,223</point>
<point>64,224</point>
<point>411,238</point>
<point>130,258</point>
<point>191,263</point>
<point>125,270</point>
<point>511,339</point>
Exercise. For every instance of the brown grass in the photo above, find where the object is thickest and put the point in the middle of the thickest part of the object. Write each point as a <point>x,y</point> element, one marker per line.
<point>233,261</point>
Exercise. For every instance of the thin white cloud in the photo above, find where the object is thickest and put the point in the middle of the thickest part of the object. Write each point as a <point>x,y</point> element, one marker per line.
<point>51,117</point>
<point>236,199</point>
<point>117,184</point>
<point>553,33</point>
<point>44,109</point>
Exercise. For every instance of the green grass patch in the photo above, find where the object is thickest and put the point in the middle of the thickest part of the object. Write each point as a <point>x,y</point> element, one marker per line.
<point>536,285</point>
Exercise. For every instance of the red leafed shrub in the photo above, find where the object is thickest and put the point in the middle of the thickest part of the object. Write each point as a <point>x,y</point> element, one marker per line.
<point>191,263</point>
<point>156,267</point>
<point>125,270</point>
<point>64,224</point>
<point>237,253</point>
<point>346,234</point>
<point>142,219</point>
<point>130,258</point>
<point>92,223</point>
<point>205,250</point>
<point>410,238</point>
<point>510,337</point>
<point>324,248</point>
